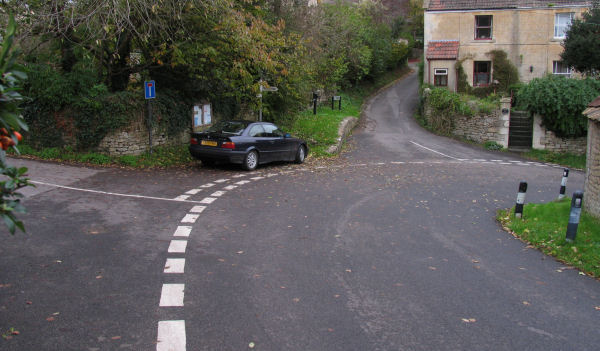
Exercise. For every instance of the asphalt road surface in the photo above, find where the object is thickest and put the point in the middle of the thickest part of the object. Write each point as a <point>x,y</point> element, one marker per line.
<point>394,246</point>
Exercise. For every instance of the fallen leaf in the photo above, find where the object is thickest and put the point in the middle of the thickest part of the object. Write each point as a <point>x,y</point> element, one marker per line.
<point>336,296</point>
<point>296,300</point>
<point>29,302</point>
<point>526,303</point>
<point>469,320</point>
<point>581,273</point>
<point>98,277</point>
<point>432,268</point>
<point>330,330</point>
<point>349,270</point>
<point>251,345</point>
<point>240,252</point>
<point>15,332</point>
<point>50,319</point>
<point>597,308</point>
<point>115,337</point>
<point>221,260</point>
<point>474,261</point>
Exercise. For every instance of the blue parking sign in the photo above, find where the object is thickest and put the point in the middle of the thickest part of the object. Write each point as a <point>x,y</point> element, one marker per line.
<point>150,89</point>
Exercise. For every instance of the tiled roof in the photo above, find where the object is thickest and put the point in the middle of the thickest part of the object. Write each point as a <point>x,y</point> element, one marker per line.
<point>593,110</point>
<point>442,50</point>
<point>438,5</point>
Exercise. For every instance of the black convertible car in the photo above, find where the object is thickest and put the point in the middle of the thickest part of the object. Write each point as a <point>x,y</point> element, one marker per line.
<point>246,143</point>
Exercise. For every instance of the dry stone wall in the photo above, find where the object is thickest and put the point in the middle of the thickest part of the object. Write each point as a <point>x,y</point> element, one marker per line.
<point>133,139</point>
<point>544,139</point>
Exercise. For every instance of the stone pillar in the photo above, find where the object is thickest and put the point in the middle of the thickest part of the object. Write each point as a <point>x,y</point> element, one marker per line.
<point>503,131</point>
<point>539,133</point>
<point>591,200</point>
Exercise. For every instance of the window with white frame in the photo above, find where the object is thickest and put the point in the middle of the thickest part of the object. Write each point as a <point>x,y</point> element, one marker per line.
<point>560,69</point>
<point>440,77</point>
<point>562,21</point>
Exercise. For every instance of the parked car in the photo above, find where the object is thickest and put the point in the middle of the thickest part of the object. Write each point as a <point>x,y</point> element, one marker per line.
<point>246,143</point>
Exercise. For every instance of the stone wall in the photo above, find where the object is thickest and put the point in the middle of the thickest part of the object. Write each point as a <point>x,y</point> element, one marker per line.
<point>133,139</point>
<point>480,128</point>
<point>544,139</point>
<point>591,200</point>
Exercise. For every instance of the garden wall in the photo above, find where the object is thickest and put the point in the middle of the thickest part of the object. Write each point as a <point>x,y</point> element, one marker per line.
<point>133,139</point>
<point>482,127</point>
<point>544,139</point>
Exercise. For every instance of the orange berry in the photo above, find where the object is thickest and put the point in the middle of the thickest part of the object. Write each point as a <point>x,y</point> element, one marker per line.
<point>18,135</point>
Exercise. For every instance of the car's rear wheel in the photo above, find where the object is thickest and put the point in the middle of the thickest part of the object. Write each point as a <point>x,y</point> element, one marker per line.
<point>250,161</point>
<point>300,154</point>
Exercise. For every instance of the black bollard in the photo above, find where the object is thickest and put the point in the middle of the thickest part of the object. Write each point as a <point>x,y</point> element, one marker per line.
<point>576,203</point>
<point>520,199</point>
<point>563,184</point>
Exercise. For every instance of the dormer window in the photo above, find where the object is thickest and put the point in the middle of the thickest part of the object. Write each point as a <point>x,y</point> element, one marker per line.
<point>483,27</point>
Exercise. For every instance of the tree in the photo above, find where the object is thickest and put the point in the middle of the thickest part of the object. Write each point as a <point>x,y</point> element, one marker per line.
<point>10,123</point>
<point>582,43</point>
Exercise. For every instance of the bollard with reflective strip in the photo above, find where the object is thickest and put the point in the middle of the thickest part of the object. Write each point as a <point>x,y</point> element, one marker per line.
<point>520,199</point>
<point>576,203</point>
<point>563,184</point>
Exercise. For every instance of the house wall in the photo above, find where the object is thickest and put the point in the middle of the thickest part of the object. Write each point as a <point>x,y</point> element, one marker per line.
<point>591,201</point>
<point>448,64</point>
<point>526,35</point>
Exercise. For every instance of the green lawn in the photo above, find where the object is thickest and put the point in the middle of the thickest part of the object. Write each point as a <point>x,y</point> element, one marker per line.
<point>544,226</point>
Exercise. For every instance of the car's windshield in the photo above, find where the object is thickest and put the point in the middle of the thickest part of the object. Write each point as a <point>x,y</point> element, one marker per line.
<point>228,127</point>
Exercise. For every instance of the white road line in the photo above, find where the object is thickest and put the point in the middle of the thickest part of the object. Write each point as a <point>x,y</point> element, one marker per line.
<point>171,336</point>
<point>218,193</point>
<point>480,160</point>
<point>380,163</point>
<point>174,265</point>
<point>190,218</point>
<point>437,152</point>
<point>230,187</point>
<point>183,230</point>
<point>172,295</point>
<point>177,199</point>
<point>271,175</point>
<point>193,191</point>
<point>243,182</point>
<point>208,200</point>
<point>182,197</point>
<point>515,161</point>
<point>239,176</point>
<point>177,246</point>
<point>208,185</point>
<point>198,209</point>
<point>257,178</point>
<point>221,180</point>
<point>398,162</point>
<point>505,163</point>
<point>417,162</point>
<point>497,160</point>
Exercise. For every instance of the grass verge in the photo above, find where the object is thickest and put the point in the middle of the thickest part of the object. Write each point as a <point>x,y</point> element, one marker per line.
<point>544,227</point>
<point>161,157</point>
<point>563,159</point>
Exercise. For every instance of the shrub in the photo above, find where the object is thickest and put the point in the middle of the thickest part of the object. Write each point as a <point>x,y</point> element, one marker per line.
<point>560,101</point>
<point>492,145</point>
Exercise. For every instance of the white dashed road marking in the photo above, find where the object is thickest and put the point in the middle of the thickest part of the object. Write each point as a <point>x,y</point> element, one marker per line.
<point>171,336</point>
<point>183,231</point>
<point>190,218</point>
<point>193,191</point>
<point>436,152</point>
<point>243,182</point>
<point>171,295</point>
<point>208,200</point>
<point>198,209</point>
<point>218,193</point>
<point>230,187</point>
<point>177,246</point>
<point>174,265</point>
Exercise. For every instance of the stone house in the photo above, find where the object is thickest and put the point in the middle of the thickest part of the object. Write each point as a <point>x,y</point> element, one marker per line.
<point>591,201</point>
<point>465,31</point>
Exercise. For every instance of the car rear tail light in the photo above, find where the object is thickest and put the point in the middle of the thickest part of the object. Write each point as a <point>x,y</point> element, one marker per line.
<point>228,145</point>
<point>194,141</point>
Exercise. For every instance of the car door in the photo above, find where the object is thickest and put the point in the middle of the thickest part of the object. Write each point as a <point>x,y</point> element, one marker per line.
<point>262,142</point>
<point>281,148</point>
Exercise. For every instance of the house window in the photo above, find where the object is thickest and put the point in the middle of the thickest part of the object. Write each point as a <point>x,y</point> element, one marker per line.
<point>562,21</point>
<point>560,69</point>
<point>482,70</point>
<point>440,77</point>
<point>483,27</point>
